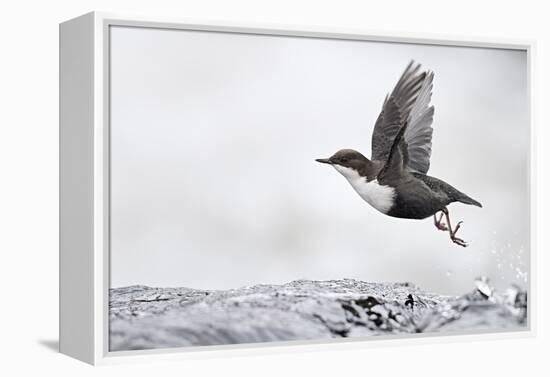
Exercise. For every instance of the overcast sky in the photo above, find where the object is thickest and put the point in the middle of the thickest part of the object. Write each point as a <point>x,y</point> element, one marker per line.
<point>214,183</point>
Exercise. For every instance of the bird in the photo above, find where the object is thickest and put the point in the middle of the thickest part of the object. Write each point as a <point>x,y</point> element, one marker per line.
<point>394,180</point>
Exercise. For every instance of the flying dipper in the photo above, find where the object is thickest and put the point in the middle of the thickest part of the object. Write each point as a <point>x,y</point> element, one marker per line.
<point>394,180</point>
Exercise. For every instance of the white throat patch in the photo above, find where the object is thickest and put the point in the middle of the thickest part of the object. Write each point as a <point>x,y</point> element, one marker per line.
<point>379,196</point>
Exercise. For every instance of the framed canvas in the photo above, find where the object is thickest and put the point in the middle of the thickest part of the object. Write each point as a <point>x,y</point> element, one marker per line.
<point>237,188</point>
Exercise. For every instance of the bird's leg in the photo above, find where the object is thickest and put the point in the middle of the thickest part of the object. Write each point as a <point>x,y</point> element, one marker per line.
<point>452,232</point>
<point>438,222</point>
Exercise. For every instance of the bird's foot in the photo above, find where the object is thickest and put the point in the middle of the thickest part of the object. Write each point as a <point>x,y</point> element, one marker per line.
<point>455,239</point>
<point>459,241</point>
<point>439,224</point>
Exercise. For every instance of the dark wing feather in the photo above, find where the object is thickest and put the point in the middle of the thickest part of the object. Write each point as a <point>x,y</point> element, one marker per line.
<point>387,126</point>
<point>398,159</point>
<point>409,101</point>
<point>419,131</point>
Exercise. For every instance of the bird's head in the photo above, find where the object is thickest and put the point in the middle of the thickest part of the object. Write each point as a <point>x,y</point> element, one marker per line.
<point>346,161</point>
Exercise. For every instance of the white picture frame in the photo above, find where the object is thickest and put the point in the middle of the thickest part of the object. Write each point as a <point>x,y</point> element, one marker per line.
<point>85,174</point>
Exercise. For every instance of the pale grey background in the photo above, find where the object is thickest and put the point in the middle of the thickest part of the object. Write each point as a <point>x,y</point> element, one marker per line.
<point>214,183</point>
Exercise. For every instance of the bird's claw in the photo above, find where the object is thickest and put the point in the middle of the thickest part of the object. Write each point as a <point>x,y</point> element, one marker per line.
<point>459,241</point>
<point>439,224</point>
<point>455,239</point>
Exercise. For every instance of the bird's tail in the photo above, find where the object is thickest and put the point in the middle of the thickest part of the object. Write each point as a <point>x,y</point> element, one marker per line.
<point>463,198</point>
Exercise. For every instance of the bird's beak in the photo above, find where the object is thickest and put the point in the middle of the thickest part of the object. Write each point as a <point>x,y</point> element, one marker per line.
<point>324,161</point>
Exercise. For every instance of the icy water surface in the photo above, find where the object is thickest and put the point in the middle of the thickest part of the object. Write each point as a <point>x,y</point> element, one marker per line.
<point>144,318</point>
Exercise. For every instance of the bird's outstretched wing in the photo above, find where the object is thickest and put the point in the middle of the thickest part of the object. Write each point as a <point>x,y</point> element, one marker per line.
<point>398,158</point>
<point>408,102</point>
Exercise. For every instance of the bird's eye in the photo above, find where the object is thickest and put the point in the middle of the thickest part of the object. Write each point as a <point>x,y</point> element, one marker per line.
<point>344,160</point>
